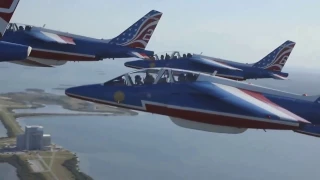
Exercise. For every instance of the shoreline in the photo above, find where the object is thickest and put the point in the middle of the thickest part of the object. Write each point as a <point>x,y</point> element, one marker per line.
<point>33,99</point>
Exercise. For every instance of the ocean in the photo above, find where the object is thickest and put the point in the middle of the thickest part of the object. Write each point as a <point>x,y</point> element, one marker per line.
<point>150,146</point>
<point>7,172</point>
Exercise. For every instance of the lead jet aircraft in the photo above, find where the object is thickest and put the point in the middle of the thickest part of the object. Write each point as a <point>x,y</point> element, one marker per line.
<point>54,48</point>
<point>204,102</point>
<point>268,67</point>
<point>10,51</point>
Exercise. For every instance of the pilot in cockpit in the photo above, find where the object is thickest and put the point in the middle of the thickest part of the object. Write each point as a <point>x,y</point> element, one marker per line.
<point>21,28</point>
<point>189,55</point>
<point>164,78</point>
<point>28,28</point>
<point>162,57</point>
<point>181,77</point>
<point>138,80</point>
<point>184,56</point>
<point>167,56</point>
<point>149,78</point>
<point>152,58</point>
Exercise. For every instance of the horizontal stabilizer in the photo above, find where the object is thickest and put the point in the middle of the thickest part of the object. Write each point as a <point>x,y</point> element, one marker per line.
<point>13,52</point>
<point>138,55</point>
<point>212,63</point>
<point>51,37</point>
<point>310,129</point>
<point>277,76</point>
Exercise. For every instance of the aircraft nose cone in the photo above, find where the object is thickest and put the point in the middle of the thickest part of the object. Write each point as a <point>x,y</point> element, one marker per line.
<point>135,64</point>
<point>129,64</point>
<point>79,90</point>
<point>84,92</point>
<point>72,91</point>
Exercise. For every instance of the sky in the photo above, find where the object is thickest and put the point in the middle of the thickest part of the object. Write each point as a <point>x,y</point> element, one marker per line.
<point>243,31</point>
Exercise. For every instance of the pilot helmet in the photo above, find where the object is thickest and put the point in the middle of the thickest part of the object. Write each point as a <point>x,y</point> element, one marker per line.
<point>137,77</point>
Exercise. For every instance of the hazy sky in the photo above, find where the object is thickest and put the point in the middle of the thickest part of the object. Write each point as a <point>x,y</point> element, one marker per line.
<point>244,30</point>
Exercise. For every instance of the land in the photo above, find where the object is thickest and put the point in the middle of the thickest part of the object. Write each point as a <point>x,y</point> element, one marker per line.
<point>56,163</point>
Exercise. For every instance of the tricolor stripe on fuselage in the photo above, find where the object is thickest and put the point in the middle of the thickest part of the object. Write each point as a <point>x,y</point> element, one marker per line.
<point>57,38</point>
<point>50,58</point>
<point>254,87</point>
<point>200,115</point>
<point>260,101</point>
<point>60,55</point>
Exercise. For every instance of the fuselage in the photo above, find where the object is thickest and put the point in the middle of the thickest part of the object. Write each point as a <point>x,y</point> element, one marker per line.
<point>248,71</point>
<point>83,49</point>
<point>181,100</point>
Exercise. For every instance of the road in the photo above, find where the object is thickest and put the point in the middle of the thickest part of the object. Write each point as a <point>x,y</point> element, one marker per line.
<point>47,167</point>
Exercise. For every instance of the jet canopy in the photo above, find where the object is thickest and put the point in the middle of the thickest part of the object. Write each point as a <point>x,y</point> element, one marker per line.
<point>153,76</point>
<point>18,26</point>
<point>171,55</point>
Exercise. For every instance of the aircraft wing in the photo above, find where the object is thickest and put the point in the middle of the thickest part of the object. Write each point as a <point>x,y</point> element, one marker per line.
<point>213,63</point>
<point>253,103</point>
<point>51,37</point>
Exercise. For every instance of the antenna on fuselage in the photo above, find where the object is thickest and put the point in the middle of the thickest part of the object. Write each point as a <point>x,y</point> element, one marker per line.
<point>44,25</point>
<point>214,73</point>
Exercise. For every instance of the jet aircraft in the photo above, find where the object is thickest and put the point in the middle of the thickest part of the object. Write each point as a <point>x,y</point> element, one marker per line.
<point>53,48</point>
<point>268,67</point>
<point>10,51</point>
<point>204,102</point>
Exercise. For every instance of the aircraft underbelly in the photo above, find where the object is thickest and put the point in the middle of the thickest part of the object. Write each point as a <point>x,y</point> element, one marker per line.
<point>219,117</point>
<point>37,62</point>
<point>50,62</point>
<point>206,127</point>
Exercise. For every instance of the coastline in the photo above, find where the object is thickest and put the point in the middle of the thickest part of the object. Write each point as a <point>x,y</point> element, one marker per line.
<point>66,166</point>
<point>22,169</point>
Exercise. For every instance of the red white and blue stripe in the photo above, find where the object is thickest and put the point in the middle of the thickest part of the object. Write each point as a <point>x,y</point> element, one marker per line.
<point>51,37</point>
<point>7,8</point>
<point>277,58</point>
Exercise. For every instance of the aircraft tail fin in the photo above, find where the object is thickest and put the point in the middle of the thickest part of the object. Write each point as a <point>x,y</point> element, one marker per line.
<point>139,34</point>
<point>7,8</point>
<point>276,60</point>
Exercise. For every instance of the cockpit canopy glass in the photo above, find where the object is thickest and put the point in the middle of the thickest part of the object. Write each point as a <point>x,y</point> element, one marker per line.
<point>146,76</point>
<point>139,77</point>
<point>184,76</point>
<point>153,76</point>
<point>18,27</point>
<point>171,55</point>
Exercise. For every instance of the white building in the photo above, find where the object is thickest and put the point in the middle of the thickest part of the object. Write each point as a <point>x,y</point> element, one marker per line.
<point>46,140</point>
<point>33,139</point>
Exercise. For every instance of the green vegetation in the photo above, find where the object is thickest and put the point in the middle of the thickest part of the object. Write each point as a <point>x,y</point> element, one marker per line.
<point>23,170</point>
<point>72,166</point>
<point>9,122</point>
